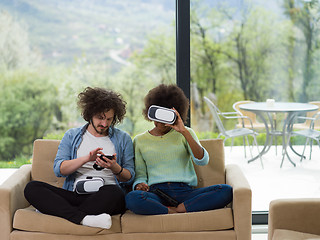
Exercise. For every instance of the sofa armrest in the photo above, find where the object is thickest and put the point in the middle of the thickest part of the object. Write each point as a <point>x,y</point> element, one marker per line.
<point>241,204</point>
<point>302,215</point>
<point>12,198</point>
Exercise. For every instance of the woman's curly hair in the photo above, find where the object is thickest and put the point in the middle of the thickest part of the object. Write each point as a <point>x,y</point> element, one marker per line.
<point>168,96</point>
<point>93,101</point>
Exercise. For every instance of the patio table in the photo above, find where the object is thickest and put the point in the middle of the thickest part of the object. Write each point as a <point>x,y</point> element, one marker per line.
<point>263,109</point>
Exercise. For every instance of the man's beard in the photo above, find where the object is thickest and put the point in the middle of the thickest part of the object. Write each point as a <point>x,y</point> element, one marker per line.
<point>103,132</point>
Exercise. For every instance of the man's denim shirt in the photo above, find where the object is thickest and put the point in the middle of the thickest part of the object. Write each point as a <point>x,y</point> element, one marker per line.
<point>71,141</point>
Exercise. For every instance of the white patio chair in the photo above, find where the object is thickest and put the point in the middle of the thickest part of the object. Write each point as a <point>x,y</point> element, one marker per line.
<point>310,134</point>
<point>237,132</point>
<point>256,125</point>
<point>306,124</point>
<point>246,122</point>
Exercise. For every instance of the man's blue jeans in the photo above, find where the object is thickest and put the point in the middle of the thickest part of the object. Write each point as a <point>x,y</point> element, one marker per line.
<point>194,199</point>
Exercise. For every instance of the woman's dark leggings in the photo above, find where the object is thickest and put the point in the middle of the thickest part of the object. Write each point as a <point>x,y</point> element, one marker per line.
<point>72,206</point>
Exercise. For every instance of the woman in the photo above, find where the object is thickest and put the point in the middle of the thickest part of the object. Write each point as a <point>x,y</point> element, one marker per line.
<point>163,160</point>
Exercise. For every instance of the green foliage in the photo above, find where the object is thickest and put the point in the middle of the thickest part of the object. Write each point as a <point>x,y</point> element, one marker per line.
<point>157,60</point>
<point>261,139</point>
<point>133,85</point>
<point>252,54</point>
<point>67,29</point>
<point>54,136</point>
<point>15,51</point>
<point>207,135</point>
<point>304,15</point>
<point>16,163</point>
<point>26,111</point>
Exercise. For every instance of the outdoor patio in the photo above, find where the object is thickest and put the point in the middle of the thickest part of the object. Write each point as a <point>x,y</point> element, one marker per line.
<point>273,182</point>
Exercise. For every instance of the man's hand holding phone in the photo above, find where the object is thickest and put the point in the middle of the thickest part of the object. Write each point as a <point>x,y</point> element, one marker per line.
<point>105,161</point>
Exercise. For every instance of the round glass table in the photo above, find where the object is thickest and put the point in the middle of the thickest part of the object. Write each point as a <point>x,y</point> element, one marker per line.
<point>265,110</point>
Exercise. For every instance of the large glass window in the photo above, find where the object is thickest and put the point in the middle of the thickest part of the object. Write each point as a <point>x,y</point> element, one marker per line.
<point>240,50</point>
<point>257,50</point>
<point>52,50</point>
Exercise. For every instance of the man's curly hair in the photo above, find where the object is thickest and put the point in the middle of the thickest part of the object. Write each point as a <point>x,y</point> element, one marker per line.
<point>93,101</point>
<point>168,96</point>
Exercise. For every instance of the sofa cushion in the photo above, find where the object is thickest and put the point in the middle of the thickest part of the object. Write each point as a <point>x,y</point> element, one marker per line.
<point>283,234</point>
<point>28,219</point>
<point>220,219</point>
<point>214,172</point>
<point>44,153</point>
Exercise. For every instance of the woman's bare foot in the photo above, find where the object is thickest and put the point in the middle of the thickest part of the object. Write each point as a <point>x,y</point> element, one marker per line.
<point>179,209</point>
<point>172,210</point>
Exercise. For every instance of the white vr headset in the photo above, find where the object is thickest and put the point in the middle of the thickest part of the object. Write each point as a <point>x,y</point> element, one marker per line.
<point>162,114</point>
<point>88,185</point>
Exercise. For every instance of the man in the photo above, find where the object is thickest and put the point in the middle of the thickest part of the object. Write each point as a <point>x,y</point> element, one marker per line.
<point>82,156</point>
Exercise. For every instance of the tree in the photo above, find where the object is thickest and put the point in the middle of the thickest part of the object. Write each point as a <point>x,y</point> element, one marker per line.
<point>251,51</point>
<point>157,59</point>
<point>205,51</point>
<point>133,84</point>
<point>26,111</point>
<point>151,66</point>
<point>15,51</point>
<point>305,16</point>
<point>26,97</point>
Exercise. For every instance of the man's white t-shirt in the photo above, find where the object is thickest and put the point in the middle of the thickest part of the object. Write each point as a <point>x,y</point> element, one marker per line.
<point>89,143</point>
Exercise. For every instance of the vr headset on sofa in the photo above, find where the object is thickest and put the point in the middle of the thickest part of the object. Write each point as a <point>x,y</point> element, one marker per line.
<point>88,185</point>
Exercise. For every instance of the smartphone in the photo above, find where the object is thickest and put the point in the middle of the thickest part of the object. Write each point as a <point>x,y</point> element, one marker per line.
<point>97,167</point>
<point>169,201</point>
<point>107,156</point>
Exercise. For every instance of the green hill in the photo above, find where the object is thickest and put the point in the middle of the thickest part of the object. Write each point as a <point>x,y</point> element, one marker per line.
<point>64,30</point>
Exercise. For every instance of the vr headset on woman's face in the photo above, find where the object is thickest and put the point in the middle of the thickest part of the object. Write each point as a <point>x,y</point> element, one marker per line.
<point>162,114</point>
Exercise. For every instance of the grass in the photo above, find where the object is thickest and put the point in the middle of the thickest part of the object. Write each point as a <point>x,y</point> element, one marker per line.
<point>238,141</point>
<point>16,163</point>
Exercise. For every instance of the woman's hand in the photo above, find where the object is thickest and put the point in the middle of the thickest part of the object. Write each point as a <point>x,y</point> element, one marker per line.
<point>179,127</point>
<point>178,124</point>
<point>142,187</point>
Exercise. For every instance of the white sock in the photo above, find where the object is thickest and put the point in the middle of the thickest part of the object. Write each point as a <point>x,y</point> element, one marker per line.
<point>102,221</point>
